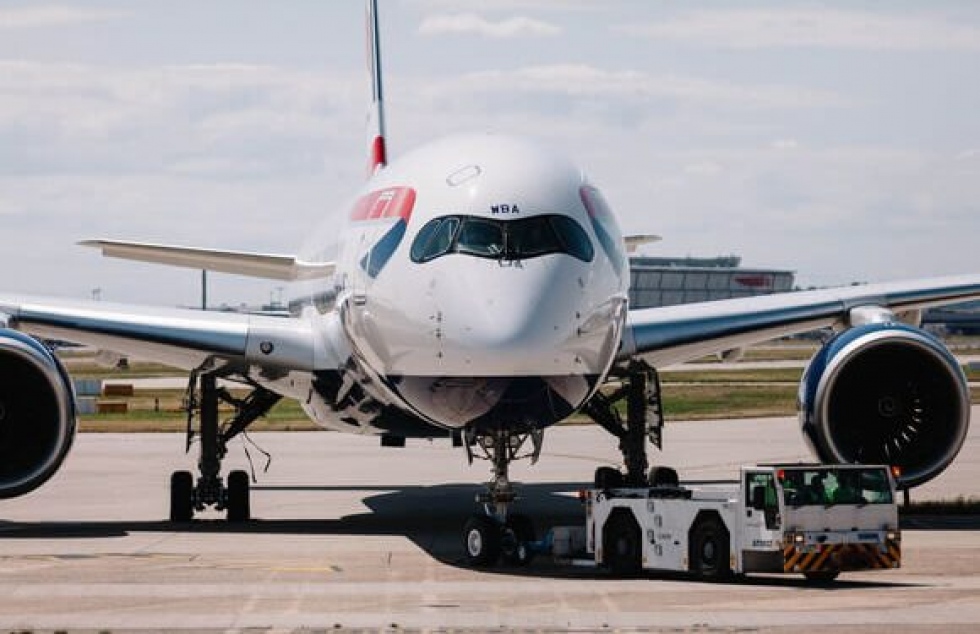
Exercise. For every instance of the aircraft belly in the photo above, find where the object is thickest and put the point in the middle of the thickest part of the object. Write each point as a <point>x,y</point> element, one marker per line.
<point>519,402</point>
<point>423,406</point>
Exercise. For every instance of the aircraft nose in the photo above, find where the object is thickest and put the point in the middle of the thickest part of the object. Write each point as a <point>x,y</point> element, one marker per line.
<point>524,319</point>
<point>519,312</point>
<point>475,317</point>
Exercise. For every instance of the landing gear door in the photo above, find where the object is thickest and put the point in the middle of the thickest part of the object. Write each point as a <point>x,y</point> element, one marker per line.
<point>760,518</point>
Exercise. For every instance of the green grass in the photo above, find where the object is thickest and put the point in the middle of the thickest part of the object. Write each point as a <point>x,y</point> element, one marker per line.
<point>703,394</point>
<point>707,375</point>
<point>86,368</point>
<point>705,401</point>
<point>162,411</point>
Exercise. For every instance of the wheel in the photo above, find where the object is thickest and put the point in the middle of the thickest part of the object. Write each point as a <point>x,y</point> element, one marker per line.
<point>239,509</point>
<point>481,539</point>
<point>710,549</point>
<point>181,496</point>
<point>663,477</point>
<point>608,478</point>
<point>622,548</point>
<point>821,576</point>
<point>518,533</point>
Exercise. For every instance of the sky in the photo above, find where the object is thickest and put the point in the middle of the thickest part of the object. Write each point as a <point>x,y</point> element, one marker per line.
<point>840,140</point>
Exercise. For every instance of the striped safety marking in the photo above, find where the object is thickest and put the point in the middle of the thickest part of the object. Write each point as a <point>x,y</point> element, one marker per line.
<point>842,557</point>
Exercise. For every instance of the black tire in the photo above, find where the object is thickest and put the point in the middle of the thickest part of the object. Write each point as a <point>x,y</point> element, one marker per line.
<point>710,549</point>
<point>608,478</point>
<point>622,546</point>
<point>518,534</point>
<point>663,477</point>
<point>239,506</point>
<point>821,576</point>
<point>481,541</point>
<point>181,496</point>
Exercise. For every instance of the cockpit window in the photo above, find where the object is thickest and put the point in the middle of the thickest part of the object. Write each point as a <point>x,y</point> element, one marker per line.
<point>518,239</point>
<point>573,238</point>
<point>604,224</point>
<point>434,239</point>
<point>484,238</point>
<point>535,237</point>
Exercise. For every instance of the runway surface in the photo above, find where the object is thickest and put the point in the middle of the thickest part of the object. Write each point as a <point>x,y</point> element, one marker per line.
<point>350,535</point>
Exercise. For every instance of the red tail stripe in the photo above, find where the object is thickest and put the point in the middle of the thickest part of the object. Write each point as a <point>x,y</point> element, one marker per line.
<point>391,202</point>
<point>379,155</point>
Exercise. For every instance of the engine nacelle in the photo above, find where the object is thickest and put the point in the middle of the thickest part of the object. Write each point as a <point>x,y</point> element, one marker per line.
<point>886,393</point>
<point>37,414</point>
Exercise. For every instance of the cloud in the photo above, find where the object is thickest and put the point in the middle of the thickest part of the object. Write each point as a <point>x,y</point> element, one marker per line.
<point>89,119</point>
<point>28,17</point>
<point>785,144</point>
<point>584,80</point>
<point>465,23</point>
<point>811,28</point>
<point>510,5</point>
<point>704,168</point>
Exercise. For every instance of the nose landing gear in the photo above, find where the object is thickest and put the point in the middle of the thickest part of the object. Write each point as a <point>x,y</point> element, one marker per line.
<point>496,534</point>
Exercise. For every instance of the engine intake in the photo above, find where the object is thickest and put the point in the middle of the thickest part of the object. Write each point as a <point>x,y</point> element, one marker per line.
<point>37,414</point>
<point>886,394</point>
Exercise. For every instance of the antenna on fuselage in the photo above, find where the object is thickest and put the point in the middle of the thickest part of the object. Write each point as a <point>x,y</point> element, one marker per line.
<point>377,152</point>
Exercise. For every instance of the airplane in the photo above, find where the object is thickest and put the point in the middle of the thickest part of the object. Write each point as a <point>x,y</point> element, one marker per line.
<point>479,292</point>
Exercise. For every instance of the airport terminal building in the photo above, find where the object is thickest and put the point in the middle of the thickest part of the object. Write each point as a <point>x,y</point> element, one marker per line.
<point>670,281</point>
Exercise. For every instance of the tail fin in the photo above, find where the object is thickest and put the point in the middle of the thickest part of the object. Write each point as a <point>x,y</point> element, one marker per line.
<point>377,152</point>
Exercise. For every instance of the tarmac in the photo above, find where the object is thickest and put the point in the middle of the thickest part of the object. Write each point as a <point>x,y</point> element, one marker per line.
<point>349,535</point>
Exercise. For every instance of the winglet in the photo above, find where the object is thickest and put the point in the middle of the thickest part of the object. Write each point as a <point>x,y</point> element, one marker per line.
<point>268,266</point>
<point>377,150</point>
<point>635,242</point>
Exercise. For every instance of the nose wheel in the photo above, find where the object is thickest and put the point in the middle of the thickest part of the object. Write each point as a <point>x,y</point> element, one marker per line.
<point>487,542</point>
<point>496,535</point>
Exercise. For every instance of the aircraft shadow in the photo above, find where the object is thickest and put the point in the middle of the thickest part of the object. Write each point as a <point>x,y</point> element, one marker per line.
<point>432,517</point>
<point>940,522</point>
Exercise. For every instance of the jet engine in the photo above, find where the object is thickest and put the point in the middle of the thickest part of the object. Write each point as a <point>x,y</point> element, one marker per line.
<point>886,393</point>
<point>37,414</point>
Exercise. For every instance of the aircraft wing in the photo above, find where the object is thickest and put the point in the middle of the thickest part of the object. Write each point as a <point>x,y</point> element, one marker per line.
<point>182,338</point>
<point>673,334</point>
<point>263,265</point>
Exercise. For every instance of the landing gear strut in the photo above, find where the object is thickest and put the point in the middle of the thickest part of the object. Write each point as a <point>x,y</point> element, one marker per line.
<point>644,420</point>
<point>186,497</point>
<point>497,533</point>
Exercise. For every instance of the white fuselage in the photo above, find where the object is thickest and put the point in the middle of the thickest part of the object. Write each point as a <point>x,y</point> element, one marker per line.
<point>506,311</point>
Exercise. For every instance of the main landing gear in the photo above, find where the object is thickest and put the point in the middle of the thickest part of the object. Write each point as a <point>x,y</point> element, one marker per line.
<point>640,387</point>
<point>497,534</point>
<point>186,497</point>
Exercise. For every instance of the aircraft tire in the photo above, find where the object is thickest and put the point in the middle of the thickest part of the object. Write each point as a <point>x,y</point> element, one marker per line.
<point>481,541</point>
<point>520,533</point>
<point>608,478</point>
<point>239,508</point>
<point>181,496</point>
